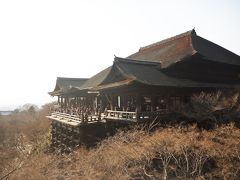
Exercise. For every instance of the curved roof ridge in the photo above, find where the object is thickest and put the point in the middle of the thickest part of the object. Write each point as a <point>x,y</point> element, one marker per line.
<point>130,60</point>
<point>168,39</point>
<point>71,78</point>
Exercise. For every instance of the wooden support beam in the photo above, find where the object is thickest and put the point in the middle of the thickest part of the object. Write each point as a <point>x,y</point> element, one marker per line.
<point>153,103</point>
<point>111,102</point>
<point>124,103</point>
<point>138,106</point>
<point>61,102</point>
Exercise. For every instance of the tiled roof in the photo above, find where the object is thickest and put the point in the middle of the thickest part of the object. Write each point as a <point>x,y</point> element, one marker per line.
<point>63,84</point>
<point>149,73</point>
<point>174,49</point>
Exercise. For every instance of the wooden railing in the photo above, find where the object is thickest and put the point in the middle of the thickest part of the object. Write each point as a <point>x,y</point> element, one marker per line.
<point>65,118</point>
<point>133,116</point>
<point>76,120</point>
<point>73,120</point>
<point>121,115</point>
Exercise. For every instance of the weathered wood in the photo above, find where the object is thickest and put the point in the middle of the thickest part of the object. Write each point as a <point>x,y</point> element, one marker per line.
<point>121,115</point>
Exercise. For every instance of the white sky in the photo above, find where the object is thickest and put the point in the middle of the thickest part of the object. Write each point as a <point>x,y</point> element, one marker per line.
<point>40,40</point>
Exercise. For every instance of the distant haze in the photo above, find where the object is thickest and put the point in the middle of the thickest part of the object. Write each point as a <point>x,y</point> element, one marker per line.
<point>5,112</point>
<point>7,108</point>
<point>40,40</point>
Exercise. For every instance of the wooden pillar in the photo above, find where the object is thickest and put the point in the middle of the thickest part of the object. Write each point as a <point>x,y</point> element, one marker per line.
<point>96,102</point>
<point>87,101</point>
<point>124,103</point>
<point>68,101</point>
<point>168,102</point>
<point>78,101</point>
<point>75,102</point>
<point>65,102</point>
<point>61,99</point>
<point>153,103</point>
<point>111,103</point>
<point>119,99</point>
<point>138,106</point>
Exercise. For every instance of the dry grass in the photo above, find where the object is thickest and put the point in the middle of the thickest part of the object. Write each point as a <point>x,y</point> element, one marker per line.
<point>166,153</point>
<point>22,135</point>
<point>141,155</point>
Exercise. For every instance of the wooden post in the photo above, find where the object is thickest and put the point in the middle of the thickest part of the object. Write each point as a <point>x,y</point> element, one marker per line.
<point>168,102</point>
<point>95,102</point>
<point>75,102</point>
<point>119,102</point>
<point>123,103</point>
<point>153,103</point>
<point>61,102</point>
<point>111,102</point>
<point>138,106</point>
<point>65,102</point>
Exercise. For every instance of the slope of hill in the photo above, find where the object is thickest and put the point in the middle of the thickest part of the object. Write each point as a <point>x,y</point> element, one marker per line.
<point>172,152</point>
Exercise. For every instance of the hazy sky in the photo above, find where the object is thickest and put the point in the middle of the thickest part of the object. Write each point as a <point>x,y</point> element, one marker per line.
<point>40,40</point>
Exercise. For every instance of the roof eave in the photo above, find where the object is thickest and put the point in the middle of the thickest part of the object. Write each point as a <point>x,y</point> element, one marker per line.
<point>113,85</point>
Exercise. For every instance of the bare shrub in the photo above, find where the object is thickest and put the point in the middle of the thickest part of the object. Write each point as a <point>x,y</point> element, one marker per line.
<point>139,153</point>
<point>23,134</point>
<point>211,109</point>
<point>163,154</point>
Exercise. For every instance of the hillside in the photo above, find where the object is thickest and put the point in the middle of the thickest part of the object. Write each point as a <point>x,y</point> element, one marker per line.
<point>143,152</point>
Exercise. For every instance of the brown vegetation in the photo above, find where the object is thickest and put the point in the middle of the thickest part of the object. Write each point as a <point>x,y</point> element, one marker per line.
<point>176,152</point>
<point>165,153</point>
<point>22,134</point>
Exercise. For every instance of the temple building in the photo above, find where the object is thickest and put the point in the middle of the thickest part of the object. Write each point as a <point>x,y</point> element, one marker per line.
<point>151,82</point>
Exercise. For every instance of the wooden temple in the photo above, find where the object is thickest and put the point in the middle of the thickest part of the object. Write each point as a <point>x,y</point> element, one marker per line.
<point>149,83</point>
